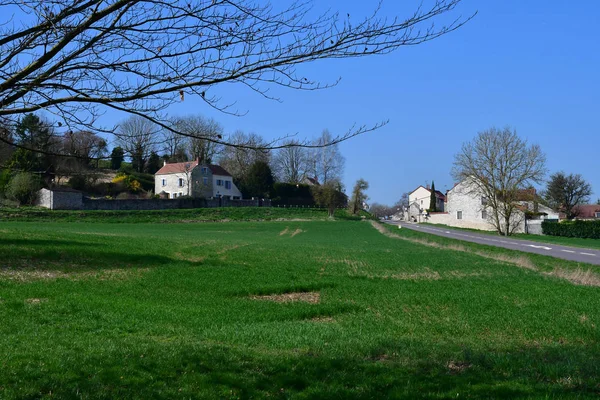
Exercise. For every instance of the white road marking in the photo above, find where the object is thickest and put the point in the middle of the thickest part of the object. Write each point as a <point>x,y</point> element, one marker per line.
<point>587,254</point>
<point>447,231</point>
<point>539,247</point>
<point>568,251</point>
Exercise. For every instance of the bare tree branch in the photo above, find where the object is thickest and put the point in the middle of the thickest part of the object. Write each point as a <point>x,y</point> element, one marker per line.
<point>78,59</point>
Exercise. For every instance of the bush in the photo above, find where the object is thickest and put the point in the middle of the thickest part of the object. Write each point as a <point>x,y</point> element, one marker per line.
<point>575,229</point>
<point>23,188</point>
<point>78,182</point>
<point>5,176</point>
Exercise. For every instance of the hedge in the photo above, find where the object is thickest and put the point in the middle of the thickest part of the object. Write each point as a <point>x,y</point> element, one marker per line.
<point>576,229</point>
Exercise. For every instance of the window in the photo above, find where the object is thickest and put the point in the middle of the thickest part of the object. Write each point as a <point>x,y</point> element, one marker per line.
<point>205,180</point>
<point>227,184</point>
<point>421,202</point>
<point>180,194</point>
<point>484,201</point>
<point>598,215</point>
<point>459,215</point>
<point>483,214</point>
<point>173,195</point>
<point>180,182</point>
<point>164,182</point>
<point>204,171</point>
<point>219,182</point>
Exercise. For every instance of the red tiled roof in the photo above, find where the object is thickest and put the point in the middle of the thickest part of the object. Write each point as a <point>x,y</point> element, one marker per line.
<point>175,168</point>
<point>587,210</point>
<point>438,194</point>
<point>218,170</point>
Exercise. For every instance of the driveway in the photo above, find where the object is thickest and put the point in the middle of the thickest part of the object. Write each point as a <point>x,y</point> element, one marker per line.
<point>565,252</point>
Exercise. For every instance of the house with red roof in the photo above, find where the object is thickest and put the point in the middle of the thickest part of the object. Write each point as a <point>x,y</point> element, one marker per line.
<point>195,180</point>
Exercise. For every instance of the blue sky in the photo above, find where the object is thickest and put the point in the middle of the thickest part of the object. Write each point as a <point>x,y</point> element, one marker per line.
<point>532,65</point>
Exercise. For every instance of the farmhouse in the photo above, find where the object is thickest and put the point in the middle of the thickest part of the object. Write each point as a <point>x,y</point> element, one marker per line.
<point>195,180</point>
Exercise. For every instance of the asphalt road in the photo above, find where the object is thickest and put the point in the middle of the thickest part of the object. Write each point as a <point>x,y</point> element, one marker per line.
<point>565,252</point>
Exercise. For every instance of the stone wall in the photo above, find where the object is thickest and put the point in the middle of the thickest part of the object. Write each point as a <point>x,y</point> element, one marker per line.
<point>169,204</point>
<point>60,199</point>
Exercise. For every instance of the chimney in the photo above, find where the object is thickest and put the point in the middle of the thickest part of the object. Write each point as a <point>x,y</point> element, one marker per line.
<point>164,162</point>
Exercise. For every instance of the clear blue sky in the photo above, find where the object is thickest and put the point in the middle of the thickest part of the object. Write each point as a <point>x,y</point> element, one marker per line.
<point>532,65</point>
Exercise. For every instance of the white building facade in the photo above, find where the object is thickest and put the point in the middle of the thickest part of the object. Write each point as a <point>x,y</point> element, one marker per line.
<point>195,180</point>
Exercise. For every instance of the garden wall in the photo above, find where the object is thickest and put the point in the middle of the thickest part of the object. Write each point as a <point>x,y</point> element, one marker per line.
<point>74,200</point>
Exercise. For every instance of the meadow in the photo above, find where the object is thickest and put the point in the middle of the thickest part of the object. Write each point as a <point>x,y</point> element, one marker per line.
<point>285,309</point>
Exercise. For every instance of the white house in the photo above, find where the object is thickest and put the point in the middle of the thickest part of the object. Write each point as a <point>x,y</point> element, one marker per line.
<point>422,197</point>
<point>467,207</point>
<point>195,180</point>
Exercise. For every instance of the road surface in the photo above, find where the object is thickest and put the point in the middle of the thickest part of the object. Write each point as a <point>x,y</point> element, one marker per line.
<point>578,254</point>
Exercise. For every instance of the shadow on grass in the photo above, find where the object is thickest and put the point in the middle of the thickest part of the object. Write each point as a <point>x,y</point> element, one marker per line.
<point>69,256</point>
<point>196,371</point>
<point>45,243</point>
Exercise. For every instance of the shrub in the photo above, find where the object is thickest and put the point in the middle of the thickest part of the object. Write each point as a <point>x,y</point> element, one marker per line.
<point>576,229</point>
<point>23,188</point>
<point>78,182</point>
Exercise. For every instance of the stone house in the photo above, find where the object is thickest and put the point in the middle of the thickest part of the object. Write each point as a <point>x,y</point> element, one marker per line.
<point>467,207</point>
<point>195,180</point>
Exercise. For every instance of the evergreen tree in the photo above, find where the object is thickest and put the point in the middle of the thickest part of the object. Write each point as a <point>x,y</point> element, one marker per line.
<point>432,199</point>
<point>153,163</point>
<point>116,158</point>
<point>258,181</point>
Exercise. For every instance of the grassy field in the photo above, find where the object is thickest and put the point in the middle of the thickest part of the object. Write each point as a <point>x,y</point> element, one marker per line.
<point>563,241</point>
<point>284,309</point>
<point>38,214</point>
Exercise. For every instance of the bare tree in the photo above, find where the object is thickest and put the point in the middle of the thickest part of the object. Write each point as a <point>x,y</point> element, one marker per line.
<point>326,162</point>
<point>79,58</point>
<point>199,131</point>
<point>565,192</point>
<point>245,151</point>
<point>137,137</point>
<point>290,164</point>
<point>381,210</point>
<point>497,165</point>
<point>84,145</point>
<point>173,145</point>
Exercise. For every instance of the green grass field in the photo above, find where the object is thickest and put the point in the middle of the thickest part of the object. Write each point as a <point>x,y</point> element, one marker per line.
<point>283,309</point>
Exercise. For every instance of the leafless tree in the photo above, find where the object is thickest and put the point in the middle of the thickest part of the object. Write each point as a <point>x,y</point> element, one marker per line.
<point>290,164</point>
<point>137,137</point>
<point>381,210</point>
<point>77,59</point>
<point>245,151</point>
<point>84,145</point>
<point>173,146</point>
<point>198,129</point>
<point>326,162</point>
<point>498,165</point>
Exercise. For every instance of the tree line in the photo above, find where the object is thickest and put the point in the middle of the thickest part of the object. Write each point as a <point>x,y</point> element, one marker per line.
<point>39,148</point>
